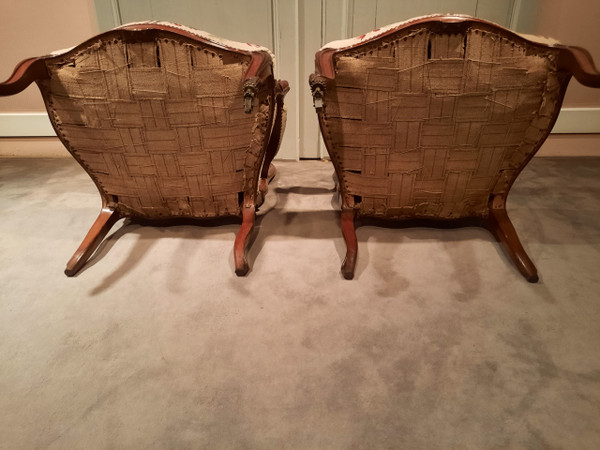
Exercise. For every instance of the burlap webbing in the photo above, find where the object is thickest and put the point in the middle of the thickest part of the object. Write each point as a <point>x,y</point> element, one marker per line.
<point>160,126</point>
<point>430,125</point>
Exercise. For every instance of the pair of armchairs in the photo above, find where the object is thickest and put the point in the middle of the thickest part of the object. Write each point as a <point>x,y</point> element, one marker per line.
<point>427,122</point>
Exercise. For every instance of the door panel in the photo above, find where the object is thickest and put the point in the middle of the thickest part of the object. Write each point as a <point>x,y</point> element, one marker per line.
<point>309,41</point>
<point>368,14</point>
<point>497,11</point>
<point>238,20</point>
<point>269,23</point>
<point>294,30</point>
<point>389,11</point>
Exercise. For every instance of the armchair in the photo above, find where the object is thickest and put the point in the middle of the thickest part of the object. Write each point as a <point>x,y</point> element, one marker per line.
<point>430,121</point>
<point>169,122</point>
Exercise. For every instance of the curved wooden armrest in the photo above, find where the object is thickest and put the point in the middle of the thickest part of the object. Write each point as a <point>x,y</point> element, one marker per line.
<point>579,62</point>
<point>324,63</point>
<point>282,88</point>
<point>260,67</point>
<point>25,73</point>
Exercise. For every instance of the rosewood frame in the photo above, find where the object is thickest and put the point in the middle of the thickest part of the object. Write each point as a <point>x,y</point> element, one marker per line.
<point>572,61</point>
<point>258,76</point>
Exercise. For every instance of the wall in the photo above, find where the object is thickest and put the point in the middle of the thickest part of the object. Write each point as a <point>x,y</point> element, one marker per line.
<point>573,23</point>
<point>58,24</point>
<point>34,28</point>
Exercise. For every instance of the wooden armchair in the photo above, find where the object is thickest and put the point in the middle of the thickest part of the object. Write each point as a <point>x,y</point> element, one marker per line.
<point>169,122</point>
<point>430,122</point>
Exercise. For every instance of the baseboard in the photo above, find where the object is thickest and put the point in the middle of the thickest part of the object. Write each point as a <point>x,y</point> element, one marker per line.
<point>576,133</point>
<point>37,124</point>
<point>34,124</point>
<point>51,147</point>
<point>578,121</point>
<point>571,145</point>
<point>32,147</point>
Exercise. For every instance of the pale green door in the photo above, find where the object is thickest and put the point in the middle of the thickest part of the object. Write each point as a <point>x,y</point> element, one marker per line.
<point>295,30</point>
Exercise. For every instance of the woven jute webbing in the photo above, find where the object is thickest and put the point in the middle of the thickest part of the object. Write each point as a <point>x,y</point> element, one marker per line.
<point>160,125</point>
<point>426,124</point>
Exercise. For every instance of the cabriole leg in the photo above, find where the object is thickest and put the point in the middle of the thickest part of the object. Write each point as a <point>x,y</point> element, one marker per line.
<point>268,170</point>
<point>106,219</point>
<point>349,233</point>
<point>500,225</point>
<point>242,239</point>
<point>263,184</point>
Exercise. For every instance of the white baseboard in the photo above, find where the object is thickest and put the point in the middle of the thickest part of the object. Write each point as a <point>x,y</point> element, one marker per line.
<point>25,125</point>
<point>570,145</point>
<point>37,124</point>
<point>32,147</point>
<point>576,133</point>
<point>578,120</point>
<point>51,147</point>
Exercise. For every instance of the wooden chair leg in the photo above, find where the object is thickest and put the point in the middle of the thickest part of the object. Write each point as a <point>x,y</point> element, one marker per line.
<point>268,170</point>
<point>106,219</point>
<point>263,184</point>
<point>274,142</point>
<point>500,225</point>
<point>241,241</point>
<point>277,130</point>
<point>349,233</point>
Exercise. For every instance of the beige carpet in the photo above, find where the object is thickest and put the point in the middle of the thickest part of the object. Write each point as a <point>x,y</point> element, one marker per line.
<point>437,343</point>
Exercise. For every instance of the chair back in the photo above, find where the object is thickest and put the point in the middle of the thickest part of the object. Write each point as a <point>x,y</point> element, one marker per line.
<point>431,118</point>
<point>155,114</point>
